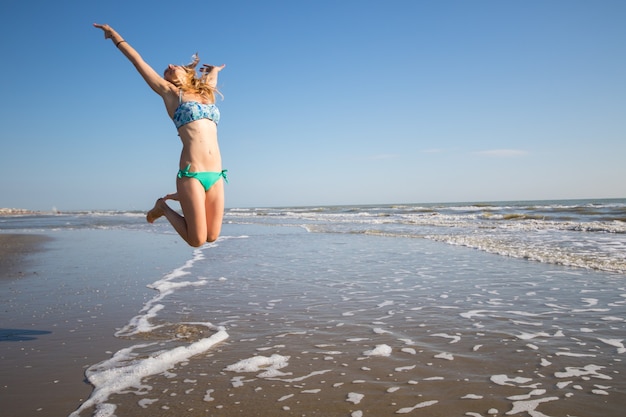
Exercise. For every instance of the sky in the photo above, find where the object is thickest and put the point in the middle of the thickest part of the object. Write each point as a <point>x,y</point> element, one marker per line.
<point>325,102</point>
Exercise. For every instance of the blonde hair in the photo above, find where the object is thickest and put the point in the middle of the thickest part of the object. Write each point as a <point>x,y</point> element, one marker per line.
<point>200,85</point>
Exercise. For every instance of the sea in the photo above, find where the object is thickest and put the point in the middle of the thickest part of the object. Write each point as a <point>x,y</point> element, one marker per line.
<point>464,309</point>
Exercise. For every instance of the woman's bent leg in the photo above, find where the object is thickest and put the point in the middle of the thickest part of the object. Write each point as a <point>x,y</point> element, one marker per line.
<point>203,212</point>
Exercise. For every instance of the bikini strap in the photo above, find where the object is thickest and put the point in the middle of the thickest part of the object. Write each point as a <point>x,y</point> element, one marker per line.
<point>180,96</point>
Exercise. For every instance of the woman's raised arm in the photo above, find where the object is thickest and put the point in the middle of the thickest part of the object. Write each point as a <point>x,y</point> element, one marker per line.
<point>154,80</point>
<point>210,72</point>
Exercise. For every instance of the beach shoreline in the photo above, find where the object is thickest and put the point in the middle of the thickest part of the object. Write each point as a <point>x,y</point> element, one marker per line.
<point>66,294</point>
<point>353,315</point>
<point>361,325</point>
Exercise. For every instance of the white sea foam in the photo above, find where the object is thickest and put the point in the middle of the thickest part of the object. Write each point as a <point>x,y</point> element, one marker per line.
<point>379,350</point>
<point>474,313</point>
<point>455,338</point>
<point>285,397</point>
<point>207,396</point>
<point>423,404</point>
<point>529,406</point>
<point>505,380</point>
<point>355,398</point>
<point>588,370</point>
<point>303,377</point>
<point>528,336</point>
<point>145,402</point>
<point>527,396</point>
<point>618,343</point>
<point>125,371</point>
<point>165,287</point>
<point>445,355</point>
<point>269,365</point>
<point>576,355</point>
<point>472,397</point>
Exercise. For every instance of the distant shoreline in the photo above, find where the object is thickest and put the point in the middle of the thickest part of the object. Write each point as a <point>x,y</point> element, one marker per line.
<point>14,211</point>
<point>25,212</point>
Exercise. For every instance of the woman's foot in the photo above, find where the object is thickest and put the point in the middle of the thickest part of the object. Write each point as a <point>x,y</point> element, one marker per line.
<point>157,211</point>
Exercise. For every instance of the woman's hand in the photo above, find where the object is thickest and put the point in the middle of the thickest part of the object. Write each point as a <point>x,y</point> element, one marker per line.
<point>207,69</point>
<point>150,76</point>
<point>109,33</point>
<point>209,74</point>
<point>108,30</point>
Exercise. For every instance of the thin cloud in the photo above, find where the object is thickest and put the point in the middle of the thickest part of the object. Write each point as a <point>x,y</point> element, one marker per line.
<point>502,153</point>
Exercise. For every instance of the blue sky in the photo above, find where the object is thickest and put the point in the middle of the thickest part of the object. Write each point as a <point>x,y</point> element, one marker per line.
<point>325,102</point>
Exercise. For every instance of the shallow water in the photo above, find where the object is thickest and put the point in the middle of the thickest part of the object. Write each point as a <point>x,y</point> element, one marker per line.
<point>329,311</point>
<point>351,325</point>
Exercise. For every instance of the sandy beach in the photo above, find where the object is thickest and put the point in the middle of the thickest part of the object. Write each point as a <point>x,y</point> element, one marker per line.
<point>345,325</point>
<point>63,296</point>
<point>111,316</point>
<point>16,251</point>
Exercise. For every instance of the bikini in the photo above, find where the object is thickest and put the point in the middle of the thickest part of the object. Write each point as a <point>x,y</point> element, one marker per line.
<point>190,111</point>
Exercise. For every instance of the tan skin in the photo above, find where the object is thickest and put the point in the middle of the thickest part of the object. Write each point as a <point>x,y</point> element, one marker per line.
<point>203,211</point>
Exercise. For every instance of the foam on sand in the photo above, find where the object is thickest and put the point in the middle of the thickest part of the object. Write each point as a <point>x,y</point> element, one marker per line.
<point>379,350</point>
<point>269,365</point>
<point>125,371</point>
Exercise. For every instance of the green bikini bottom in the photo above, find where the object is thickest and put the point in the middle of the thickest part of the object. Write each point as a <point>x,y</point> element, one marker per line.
<point>207,178</point>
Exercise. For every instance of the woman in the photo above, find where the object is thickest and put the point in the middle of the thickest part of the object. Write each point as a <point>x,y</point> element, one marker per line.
<point>190,102</point>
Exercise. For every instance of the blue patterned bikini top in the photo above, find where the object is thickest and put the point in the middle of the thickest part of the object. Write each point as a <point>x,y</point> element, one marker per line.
<point>190,111</point>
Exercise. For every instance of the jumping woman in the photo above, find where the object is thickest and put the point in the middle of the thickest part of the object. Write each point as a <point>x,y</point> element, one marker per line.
<point>189,99</point>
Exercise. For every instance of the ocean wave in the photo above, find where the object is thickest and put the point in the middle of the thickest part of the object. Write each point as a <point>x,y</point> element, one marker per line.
<point>545,253</point>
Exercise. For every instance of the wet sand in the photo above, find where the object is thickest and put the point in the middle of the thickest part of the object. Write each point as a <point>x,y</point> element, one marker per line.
<point>468,333</point>
<point>16,251</point>
<point>412,327</point>
<point>63,297</point>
